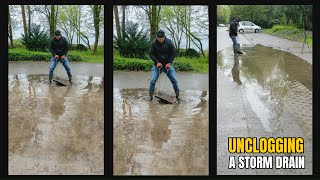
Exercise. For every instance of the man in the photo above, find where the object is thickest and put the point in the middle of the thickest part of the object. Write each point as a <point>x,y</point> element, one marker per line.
<point>162,53</point>
<point>59,48</point>
<point>233,33</point>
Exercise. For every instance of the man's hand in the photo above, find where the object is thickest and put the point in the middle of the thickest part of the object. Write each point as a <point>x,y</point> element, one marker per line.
<point>56,57</point>
<point>168,66</point>
<point>62,57</point>
<point>159,65</point>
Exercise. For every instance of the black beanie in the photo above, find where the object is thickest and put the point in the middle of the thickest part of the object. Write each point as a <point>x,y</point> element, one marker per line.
<point>160,34</point>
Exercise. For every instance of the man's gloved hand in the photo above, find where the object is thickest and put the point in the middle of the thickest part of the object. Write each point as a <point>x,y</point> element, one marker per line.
<point>56,57</point>
<point>168,66</point>
<point>159,65</point>
<point>62,57</point>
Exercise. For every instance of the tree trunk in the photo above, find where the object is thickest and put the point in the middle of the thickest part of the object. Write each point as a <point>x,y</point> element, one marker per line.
<point>51,21</point>
<point>153,22</point>
<point>185,22</point>
<point>96,22</point>
<point>123,19</point>
<point>79,24</point>
<point>24,20</point>
<point>116,17</point>
<point>29,18</point>
<point>189,25</point>
<point>10,29</point>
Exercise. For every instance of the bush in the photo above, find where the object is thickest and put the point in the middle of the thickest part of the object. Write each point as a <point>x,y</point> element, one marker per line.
<point>191,53</point>
<point>36,40</point>
<point>181,53</point>
<point>120,64</point>
<point>24,55</point>
<point>81,47</point>
<point>133,43</point>
<point>273,22</point>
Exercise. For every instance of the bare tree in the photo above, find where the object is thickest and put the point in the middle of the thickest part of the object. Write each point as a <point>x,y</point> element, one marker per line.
<point>10,29</point>
<point>96,10</point>
<point>24,20</point>
<point>153,14</point>
<point>29,18</point>
<point>116,17</point>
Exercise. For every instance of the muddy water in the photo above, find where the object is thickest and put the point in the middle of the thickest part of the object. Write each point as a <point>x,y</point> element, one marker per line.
<point>273,82</point>
<point>55,129</point>
<point>151,138</point>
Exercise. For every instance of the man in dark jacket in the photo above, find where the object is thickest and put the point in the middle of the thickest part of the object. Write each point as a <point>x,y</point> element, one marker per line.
<point>59,48</point>
<point>162,53</point>
<point>233,33</point>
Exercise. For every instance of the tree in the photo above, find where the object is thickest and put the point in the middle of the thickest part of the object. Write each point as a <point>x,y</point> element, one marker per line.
<point>171,21</point>
<point>96,9</point>
<point>153,14</point>
<point>24,19</point>
<point>10,29</point>
<point>68,16</point>
<point>29,18</point>
<point>123,19</point>
<point>116,18</point>
<point>51,14</point>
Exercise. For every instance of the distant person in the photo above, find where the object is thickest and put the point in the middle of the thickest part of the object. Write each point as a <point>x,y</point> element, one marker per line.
<point>233,33</point>
<point>59,48</point>
<point>162,53</point>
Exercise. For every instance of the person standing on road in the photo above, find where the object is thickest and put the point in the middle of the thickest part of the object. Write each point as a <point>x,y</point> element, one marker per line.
<point>233,33</point>
<point>162,53</point>
<point>59,48</point>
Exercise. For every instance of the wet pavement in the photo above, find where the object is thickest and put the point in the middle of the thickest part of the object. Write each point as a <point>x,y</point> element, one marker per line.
<point>151,138</point>
<point>264,93</point>
<point>55,129</point>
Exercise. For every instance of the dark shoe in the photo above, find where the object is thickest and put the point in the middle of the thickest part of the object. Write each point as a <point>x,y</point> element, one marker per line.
<point>239,52</point>
<point>150,96</point>
<point>50,81</point>
<point>177,95</point>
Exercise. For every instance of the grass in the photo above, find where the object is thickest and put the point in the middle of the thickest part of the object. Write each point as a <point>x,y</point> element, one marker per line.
<point>289,32</point>
<point>199,65</point>
<point>20,53</point>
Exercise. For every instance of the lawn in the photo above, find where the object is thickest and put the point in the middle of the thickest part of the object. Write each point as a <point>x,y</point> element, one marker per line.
<point>22,54</point>
<point>289,32</point>
<point>199,65</point>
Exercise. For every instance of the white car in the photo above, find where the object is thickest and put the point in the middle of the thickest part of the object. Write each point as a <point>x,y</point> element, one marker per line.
<point>222,25</point>
<point>247,26</point>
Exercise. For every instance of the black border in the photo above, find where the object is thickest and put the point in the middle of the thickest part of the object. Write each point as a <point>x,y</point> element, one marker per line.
<point>4,92</point>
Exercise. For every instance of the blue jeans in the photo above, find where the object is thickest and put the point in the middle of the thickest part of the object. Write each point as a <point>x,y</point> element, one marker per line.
<point>235,42</point>
<point>155,75</point>
<point>65,63</point>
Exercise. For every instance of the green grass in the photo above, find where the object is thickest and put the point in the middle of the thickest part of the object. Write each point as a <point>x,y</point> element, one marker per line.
<point>88,56</point>
<point>199,65</point>
<point>20,53</point>
<point>289,32</point>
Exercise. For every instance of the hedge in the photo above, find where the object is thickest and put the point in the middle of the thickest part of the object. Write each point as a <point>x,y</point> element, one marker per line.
<point>126,64</point>
<point>24,55</point>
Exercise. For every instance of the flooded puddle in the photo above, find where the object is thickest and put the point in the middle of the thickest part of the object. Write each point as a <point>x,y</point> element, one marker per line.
<point>272,82</point>
<point>56,129</point>
<point>151,138</point>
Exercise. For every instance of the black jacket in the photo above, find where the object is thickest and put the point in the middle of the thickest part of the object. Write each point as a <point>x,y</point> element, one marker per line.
<point>163,52</point>
<point>59,47</point>
<point>233,31</point>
